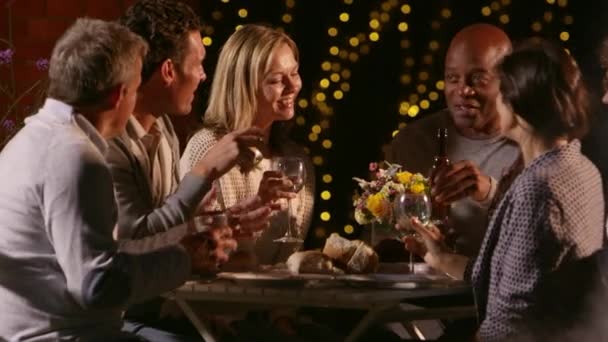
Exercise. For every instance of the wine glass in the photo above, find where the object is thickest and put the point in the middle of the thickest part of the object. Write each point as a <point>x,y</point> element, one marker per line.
<point>409,205</point>
<point>294,169</point>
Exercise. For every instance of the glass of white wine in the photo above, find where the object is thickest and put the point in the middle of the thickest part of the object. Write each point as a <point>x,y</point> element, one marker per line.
<point>406,207</point>
<point>294,169</point>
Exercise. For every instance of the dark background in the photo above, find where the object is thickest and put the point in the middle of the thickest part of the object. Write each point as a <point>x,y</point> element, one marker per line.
<point>368,114</point>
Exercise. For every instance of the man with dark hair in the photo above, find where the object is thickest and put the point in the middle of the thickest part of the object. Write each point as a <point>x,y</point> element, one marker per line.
<point>168,22</point>
<point>145,159</point>
<point>63,275</point>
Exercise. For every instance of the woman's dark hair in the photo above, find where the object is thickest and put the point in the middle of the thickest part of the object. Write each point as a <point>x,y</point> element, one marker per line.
<point>543,84</point>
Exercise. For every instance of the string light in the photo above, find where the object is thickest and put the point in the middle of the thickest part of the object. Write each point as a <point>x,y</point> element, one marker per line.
<point>287,18</point>
<point>349,229</point>
<point>325,216</point>
<point>243,13</point>
<point>207,41</point>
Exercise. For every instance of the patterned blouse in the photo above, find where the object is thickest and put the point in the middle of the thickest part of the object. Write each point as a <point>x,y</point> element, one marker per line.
<point>551,215</point>
<point>235,186</point>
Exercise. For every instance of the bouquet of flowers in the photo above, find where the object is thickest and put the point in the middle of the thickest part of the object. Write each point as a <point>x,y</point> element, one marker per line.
<point>375,203</point>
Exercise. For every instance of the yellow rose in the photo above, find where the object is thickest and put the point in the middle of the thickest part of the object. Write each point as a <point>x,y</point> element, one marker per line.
<point>378,205</point>
<point>417,188</point>
<point>404,177</point>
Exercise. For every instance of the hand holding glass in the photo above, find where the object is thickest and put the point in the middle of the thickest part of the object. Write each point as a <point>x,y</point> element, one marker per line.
<point>294,169</point>
<point>408,206</point>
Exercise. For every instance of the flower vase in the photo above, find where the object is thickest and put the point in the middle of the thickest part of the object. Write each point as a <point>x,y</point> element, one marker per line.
<point>381,231</point>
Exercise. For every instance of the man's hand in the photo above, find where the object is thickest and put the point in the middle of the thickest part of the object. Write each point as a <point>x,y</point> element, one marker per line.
<point>232,148</point>
<point>461,180</point>
<point>210,249</point>
<point>208,201</point>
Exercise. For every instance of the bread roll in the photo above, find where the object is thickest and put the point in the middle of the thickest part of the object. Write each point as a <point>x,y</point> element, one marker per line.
<point>356,256</point>
<point>339,248</point>
<point>364,260</point>
<point>311,262</point>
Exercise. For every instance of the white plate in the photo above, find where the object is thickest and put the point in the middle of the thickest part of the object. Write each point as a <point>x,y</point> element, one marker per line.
<point>278,279</point>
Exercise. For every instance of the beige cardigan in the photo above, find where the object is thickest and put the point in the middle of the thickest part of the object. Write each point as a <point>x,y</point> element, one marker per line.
<point>235,186</point>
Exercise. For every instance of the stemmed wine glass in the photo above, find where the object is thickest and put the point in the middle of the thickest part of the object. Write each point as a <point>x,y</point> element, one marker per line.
<point>409,205</point>
<point>294,169</point>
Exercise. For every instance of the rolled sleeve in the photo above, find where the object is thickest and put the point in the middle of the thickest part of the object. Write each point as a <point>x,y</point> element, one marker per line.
<point>138,216</point>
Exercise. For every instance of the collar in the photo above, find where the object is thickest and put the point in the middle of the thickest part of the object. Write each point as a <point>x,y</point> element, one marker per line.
<point>138,132</point>
<point>59,112</point>
<point>138,129</point>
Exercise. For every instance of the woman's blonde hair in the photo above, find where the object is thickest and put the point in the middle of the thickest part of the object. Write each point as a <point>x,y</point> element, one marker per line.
<point>243,61</point>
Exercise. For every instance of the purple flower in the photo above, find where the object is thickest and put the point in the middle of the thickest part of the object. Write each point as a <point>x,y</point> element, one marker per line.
<point>8,124</point>
<point>42,64</point>
<point>6,56</point>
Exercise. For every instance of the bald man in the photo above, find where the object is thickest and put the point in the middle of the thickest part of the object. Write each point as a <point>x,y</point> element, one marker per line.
<point>478,153</point>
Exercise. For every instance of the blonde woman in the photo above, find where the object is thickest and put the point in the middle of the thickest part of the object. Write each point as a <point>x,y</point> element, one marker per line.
<point>256,83</point>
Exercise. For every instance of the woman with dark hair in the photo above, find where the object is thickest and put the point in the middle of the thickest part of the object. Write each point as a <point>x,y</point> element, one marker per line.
<point>553,212</point>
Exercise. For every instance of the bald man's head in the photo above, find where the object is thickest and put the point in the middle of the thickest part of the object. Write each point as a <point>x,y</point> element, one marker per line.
<point>471,85</point>
<point>480,40</point>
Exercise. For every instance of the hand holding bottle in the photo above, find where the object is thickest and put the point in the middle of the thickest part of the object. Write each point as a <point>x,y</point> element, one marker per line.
<point>460,180</point>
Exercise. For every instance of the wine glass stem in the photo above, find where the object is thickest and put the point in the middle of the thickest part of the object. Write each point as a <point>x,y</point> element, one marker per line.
<point>411,262</point>
<point>288,232</point>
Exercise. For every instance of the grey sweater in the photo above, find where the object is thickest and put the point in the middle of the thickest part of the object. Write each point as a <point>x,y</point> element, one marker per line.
<point>63,275</point>
<point>138,214</point>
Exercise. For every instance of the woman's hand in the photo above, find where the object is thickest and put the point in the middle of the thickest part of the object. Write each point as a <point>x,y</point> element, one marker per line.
<point>431,244</point>
<point>274,186</point>
<point>250,215</point>
<point>433,249</point>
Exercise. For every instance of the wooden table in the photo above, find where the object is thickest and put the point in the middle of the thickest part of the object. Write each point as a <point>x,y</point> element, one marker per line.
<point>384,296</point>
